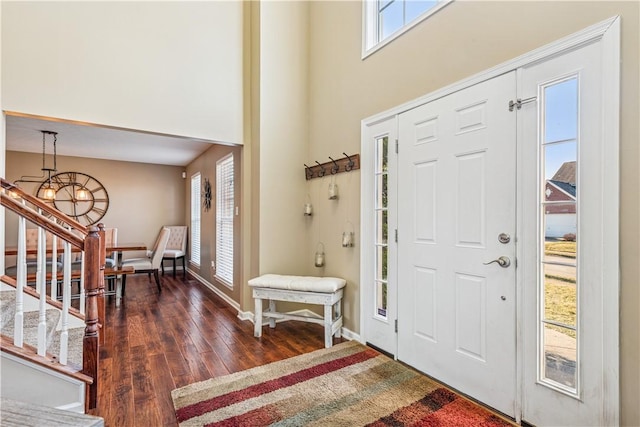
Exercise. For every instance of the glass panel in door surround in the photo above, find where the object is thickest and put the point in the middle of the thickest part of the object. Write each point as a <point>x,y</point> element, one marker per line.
<point>560,355</point>
<point>559,215</point>
<point>382,190</point>
<point>381,227</point>
<point>561,111</point>
<point>560,230</point>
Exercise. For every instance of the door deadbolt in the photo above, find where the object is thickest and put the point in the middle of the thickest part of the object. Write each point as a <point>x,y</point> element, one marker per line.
<point>504,238</point>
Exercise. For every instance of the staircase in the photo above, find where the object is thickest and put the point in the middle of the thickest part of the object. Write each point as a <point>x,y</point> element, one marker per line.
<point>53,329</point>
<point>49,350</point>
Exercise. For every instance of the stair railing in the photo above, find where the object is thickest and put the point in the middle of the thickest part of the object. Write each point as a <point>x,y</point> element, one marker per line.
<point>76,238</point>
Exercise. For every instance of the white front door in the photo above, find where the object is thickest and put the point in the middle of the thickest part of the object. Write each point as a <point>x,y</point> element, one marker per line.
<point>456,245</point>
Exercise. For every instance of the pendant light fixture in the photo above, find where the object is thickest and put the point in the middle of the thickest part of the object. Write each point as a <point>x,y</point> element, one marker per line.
<point>49,192</point>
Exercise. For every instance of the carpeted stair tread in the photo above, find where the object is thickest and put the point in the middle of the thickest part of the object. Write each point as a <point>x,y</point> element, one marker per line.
<point>7,307</point>
<point>31,320</point>
<point>74,355</point>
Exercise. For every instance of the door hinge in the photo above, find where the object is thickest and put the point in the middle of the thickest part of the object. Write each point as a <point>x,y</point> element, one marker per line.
<point>396,326</point>
<point>518,103</point>
<point>396,235</point>
<point>396,146</point>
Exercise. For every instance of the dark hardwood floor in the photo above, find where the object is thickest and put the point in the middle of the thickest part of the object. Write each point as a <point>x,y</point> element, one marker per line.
<point>158,342</point>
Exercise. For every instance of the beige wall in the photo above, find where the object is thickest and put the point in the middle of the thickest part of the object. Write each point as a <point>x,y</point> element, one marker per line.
<point>142,197</point>
<point>165,67</point>
<point>283,135</point>
<point>462,39</point>
<point>205,164</point>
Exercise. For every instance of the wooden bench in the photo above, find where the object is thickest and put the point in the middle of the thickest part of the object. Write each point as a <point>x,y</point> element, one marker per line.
<point>326,291</point>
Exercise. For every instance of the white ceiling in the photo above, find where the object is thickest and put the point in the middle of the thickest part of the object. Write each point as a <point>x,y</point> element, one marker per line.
<point>82,140</point>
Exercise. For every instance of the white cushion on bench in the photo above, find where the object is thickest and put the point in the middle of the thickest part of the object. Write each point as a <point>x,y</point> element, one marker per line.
<point>298,283</point>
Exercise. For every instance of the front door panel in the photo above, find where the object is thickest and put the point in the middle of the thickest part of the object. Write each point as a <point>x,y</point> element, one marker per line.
<point>456,192</point>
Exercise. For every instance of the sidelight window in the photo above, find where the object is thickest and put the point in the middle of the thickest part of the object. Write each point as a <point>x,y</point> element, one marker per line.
<point>559,284</point>
<point>381,226</point>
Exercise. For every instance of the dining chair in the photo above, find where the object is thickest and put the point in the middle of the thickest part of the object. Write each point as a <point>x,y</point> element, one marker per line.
<point>151,263</point>
<point>176,248</point>
<point>111,239</point>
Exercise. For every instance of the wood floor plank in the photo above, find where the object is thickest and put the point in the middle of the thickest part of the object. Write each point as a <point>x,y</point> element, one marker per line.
<point>163,384</point>
<point>158,342</point>
<point>136,329</point>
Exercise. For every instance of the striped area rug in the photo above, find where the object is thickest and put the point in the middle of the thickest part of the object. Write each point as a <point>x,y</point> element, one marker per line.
<point>346,385</point>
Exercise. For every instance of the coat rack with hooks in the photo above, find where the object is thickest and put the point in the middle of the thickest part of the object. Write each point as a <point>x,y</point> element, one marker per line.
<point>332,167</point>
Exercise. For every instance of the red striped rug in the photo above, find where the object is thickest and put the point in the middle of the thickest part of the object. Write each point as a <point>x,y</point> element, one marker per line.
<point>346,385</point>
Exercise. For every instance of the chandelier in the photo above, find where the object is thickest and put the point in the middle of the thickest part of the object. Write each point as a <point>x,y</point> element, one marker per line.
<point>50,191</point>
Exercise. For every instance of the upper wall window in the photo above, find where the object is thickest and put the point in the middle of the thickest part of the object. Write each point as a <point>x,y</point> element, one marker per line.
<point>384,20</point>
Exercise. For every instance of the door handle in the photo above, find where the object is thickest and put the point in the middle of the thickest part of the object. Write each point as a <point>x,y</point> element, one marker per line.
<point>503,262</point>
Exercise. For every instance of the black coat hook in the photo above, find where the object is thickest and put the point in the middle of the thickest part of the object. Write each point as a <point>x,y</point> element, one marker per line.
<point>349,166</point>
<point>322,172</point>
<point>335,167</point>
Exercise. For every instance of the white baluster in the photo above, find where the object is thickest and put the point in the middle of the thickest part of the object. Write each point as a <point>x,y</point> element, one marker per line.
<point>66,303</point>
<point>54,267</point>
<point>41,259</point>
<point>21,281</point>
<point>82,293</point>
<point>41,287</point>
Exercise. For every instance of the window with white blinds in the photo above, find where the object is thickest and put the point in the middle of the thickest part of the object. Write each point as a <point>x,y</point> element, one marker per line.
<point>225,205</point>
<point>195,219</point>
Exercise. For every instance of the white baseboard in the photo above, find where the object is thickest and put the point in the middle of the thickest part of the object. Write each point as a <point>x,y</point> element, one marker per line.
<point>215,290</point>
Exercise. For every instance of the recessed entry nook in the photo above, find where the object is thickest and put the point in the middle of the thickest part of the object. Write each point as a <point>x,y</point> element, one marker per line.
<point>490,232</point>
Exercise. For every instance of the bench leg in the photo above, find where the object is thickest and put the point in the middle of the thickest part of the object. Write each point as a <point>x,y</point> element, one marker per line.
<point>272,309</point>
<point>338,307</point>
<point>328,337</point>
<point>257,331</point>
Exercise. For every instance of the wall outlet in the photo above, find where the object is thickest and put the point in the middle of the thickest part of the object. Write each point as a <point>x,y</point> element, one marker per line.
<point>213,264</point>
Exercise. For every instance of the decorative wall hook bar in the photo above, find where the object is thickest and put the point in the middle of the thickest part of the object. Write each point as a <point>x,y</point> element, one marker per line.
<point>321,173</point>
<point>335,168</point>
<point>349,165</point>
<point>344,164</point>
<point>308,172</point>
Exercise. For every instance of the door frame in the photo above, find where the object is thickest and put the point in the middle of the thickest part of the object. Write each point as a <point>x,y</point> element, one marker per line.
<point>608,34</point>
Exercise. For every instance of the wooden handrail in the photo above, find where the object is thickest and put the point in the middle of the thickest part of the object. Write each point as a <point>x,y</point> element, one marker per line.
<point>33,216</point>
<point>10,186</point>
<point>94,257</point>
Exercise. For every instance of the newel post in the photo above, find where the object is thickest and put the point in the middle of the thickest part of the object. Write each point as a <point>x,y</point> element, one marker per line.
<point>102,307</point>
<point>90,343</point>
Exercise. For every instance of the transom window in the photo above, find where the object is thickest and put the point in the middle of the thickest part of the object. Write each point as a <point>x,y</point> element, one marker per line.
<point>384,20</point>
